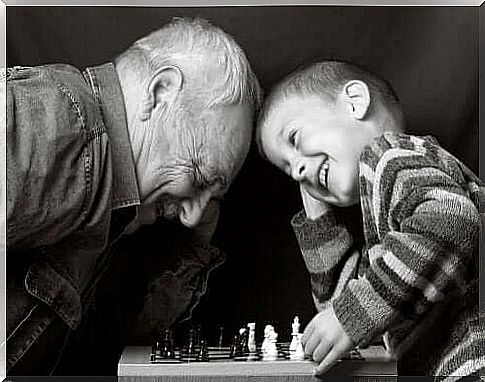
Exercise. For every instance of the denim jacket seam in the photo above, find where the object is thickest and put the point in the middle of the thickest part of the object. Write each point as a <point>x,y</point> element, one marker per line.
<point>74,101</point>
<point>85,154</point>
<point>98,130</point>
<point>29,341</point>
<point>125,203</point>
<point>21,322</point>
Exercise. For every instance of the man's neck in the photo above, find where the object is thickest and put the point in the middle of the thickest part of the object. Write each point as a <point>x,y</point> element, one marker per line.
<point>130,93</point>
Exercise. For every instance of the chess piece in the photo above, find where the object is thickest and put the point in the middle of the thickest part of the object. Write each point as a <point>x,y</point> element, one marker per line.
<point>221,332</point>
<point>271,351</point>
<point>253,356</point>
<point>157,350</point>
<point>264,345</point>
<point>168,350</point>
<point>203,354</point>
<point>252,337</point>
<point>189,353</point>
<point>294,334</point>
<point>234,346</point>
<point>299,353</point>
<point>295,326</point>
<point>197,336</point>
<point>241,351</point>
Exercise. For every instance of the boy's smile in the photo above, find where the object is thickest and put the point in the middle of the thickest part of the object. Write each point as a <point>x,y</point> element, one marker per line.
<point>317,142</point>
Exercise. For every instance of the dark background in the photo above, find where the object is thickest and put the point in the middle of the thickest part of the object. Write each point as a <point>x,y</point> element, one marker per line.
<point>429,54</point>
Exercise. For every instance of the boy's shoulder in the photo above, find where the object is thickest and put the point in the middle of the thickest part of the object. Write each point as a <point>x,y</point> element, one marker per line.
<point>394,152</point>
<point>393,145</point>
<point>401,141</point>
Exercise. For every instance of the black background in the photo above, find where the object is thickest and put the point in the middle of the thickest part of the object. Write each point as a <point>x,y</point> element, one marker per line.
<point>429,54</point>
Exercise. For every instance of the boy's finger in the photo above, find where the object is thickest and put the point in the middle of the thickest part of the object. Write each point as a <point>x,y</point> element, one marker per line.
<point>321,351</point>
<point>307,332</point>
<point>331,358</point>
<point>312,343</point>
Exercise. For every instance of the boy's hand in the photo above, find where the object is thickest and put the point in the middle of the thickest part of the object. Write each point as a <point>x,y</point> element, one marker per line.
<point>325,340</point>
<point>314,208</point>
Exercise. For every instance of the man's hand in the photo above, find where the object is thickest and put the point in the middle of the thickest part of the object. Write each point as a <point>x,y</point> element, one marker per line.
<point>314,208</point>
<point>325,340</point>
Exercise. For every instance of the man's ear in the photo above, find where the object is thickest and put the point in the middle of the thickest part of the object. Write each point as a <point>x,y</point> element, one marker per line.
<point>163,87</point>
<point>357,95</point>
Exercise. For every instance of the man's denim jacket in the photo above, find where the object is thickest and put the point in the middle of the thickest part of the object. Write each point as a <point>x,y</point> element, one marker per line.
<point>71,192</point>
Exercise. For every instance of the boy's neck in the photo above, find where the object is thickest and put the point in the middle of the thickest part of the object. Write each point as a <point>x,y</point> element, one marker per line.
<point>384,121</point>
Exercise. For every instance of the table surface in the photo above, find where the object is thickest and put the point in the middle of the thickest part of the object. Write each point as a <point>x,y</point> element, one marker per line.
<point>135,362</point>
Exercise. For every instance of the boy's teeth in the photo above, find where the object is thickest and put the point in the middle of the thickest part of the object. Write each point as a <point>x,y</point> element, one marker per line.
<point>323,174</point>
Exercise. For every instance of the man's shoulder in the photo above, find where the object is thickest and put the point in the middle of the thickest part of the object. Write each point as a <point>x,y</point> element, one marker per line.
<point>48,72</point>
<point>54,87</point>
<point>64,79</point>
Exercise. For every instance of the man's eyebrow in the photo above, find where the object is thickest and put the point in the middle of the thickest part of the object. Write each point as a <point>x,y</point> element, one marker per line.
<point>203,180</point>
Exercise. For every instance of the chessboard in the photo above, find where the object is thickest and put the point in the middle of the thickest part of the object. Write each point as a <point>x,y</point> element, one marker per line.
<point>223,354</point>
<point>138,364</point>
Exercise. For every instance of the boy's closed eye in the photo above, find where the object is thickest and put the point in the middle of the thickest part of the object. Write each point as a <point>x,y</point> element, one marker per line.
<point>292,137</point>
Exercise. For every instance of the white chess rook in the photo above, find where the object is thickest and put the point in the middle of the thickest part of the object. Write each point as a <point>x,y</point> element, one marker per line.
<point>252,337</point>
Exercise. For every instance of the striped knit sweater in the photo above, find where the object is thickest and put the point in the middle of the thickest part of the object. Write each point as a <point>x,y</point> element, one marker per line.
<point>415,281</point>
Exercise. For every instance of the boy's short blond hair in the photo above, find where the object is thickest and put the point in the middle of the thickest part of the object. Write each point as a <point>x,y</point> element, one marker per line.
<point>327,78</point>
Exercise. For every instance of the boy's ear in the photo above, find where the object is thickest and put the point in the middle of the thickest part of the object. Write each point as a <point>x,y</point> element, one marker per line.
<point>163,87</point>
<point>357,95</point>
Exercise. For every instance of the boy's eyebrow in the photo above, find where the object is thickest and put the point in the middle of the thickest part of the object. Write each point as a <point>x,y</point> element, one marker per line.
<point>281,132</point>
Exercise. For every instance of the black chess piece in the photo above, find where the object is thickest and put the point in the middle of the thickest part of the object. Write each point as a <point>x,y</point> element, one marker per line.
<point>245,342</point>
<point>156,350</point>
<point>221,333</point>
<point>197,335</point>
<point>168,351</point>
<point>189,352</point>
<point>203,354</point>
<point>241,350</point>
<point>234,345</point>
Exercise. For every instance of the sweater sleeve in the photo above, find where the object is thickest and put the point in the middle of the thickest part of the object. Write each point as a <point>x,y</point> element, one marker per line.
<point>428,228</point>
<point>327,249</point>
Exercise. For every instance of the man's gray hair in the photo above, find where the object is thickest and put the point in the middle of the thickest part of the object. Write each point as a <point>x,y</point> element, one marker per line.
<point>194,45</point>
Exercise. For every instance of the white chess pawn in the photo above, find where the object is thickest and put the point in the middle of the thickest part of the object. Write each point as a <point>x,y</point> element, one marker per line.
<point>271,351</point>
<point>264,345</point>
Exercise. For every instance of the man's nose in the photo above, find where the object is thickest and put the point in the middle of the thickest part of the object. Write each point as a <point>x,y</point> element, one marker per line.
<point>192,209</point>
<point>298,171</point>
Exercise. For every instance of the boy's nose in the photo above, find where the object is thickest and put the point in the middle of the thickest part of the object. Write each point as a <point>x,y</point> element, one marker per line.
<point>192,209</point>
<point>298,171</point>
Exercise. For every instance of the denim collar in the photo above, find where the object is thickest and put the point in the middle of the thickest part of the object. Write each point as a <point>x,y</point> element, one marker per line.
<point>106,88</point>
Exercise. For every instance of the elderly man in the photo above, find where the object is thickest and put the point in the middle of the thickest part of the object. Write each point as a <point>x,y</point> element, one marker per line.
<point>93,155</point>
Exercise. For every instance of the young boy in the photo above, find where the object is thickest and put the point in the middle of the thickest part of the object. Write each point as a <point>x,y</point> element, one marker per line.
<point>337,130</point>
